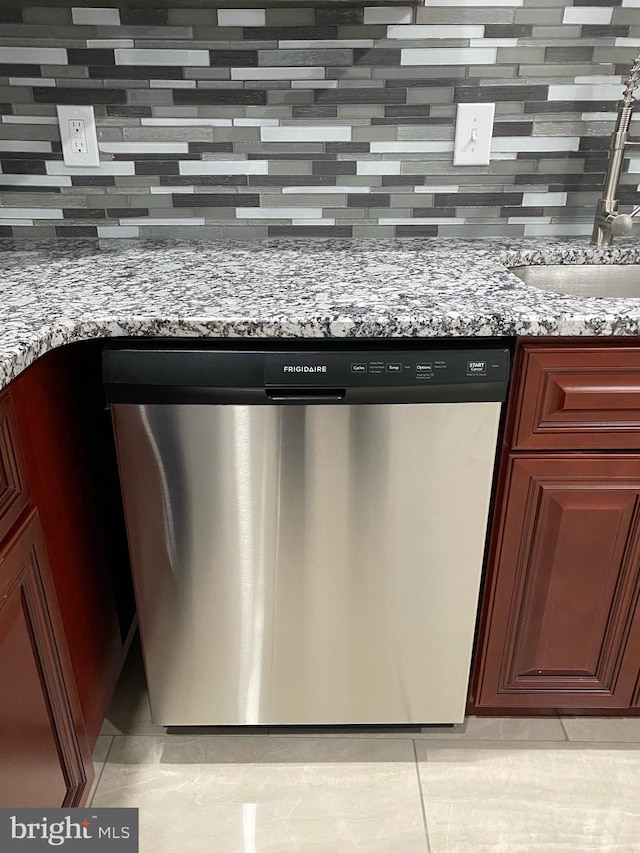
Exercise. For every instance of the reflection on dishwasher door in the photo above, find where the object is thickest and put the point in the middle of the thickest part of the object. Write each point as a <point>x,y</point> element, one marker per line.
<point>306,551</point>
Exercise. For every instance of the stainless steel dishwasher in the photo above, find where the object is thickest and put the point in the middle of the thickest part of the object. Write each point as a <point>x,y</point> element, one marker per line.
<point>306,528</point>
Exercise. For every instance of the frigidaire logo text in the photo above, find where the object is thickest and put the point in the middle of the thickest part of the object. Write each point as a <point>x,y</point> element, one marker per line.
<point>57,832</point>
<point>305,368</point>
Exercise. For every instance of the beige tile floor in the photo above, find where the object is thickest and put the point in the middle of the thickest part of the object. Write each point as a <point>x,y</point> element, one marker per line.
<point>500,785</point>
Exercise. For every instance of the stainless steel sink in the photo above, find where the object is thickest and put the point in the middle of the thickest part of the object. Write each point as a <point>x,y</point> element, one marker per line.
<point>604,280</point>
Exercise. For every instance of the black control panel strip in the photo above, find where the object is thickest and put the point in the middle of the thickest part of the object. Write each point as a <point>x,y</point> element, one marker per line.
<point>174,367</point>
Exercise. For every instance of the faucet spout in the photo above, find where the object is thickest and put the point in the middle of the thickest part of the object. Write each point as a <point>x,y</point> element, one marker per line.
<point>608,222</point>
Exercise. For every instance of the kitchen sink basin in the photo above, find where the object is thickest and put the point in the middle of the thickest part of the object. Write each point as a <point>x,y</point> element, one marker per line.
<point>604,280</point>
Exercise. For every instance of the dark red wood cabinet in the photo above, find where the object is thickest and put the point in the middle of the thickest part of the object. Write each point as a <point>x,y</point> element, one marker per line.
<point>66,606</point>
<point>560,621</point>
<point>44,752</point>
<point>66,438</point>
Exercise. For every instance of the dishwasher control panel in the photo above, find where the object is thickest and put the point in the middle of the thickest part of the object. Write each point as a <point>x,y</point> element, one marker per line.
<point>192,372</point>
<point>392,368</point>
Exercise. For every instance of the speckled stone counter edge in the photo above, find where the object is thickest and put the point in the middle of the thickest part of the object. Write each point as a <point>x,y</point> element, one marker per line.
<point>53,294</point>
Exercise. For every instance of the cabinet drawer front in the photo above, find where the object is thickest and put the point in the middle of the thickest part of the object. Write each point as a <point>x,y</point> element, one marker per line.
<point>579,398</point>
<point>14,487</point>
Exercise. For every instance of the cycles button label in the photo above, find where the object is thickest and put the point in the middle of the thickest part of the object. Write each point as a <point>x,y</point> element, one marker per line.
<point>359,367</point>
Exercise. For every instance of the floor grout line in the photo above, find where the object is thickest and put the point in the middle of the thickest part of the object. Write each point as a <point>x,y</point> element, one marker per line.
<point>96,784</point>
<point>422,805</point>
<point>562,725</point>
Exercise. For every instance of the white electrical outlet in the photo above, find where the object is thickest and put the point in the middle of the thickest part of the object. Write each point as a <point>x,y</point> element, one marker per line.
<point>78,135</point>
<point>474,131</point>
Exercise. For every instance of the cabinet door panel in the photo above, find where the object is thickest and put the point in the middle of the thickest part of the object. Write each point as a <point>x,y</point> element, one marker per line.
<point>566,584</point>
<point>31,768</point>
<point>583,397</point>
<point>43,752</point>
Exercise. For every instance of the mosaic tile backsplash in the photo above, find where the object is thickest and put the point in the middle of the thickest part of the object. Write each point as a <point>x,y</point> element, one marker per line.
<point>301,121</point>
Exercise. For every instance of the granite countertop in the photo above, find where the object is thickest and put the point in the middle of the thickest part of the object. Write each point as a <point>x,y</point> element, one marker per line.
<point>56,293</point>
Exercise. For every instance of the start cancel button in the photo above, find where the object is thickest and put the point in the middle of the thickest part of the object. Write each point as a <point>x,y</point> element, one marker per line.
<point>476,368</point>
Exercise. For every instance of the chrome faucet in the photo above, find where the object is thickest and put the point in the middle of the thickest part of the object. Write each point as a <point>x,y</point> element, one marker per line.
<point>608,222</point>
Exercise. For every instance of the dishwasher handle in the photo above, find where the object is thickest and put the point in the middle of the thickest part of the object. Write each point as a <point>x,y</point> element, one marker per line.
<point>305,395</point>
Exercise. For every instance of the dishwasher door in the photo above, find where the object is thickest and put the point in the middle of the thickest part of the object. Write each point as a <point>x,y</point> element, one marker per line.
<point>307,564</point>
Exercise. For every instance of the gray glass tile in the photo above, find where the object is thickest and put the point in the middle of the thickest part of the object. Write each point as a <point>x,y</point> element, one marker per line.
<point>310,231</point>
<point>416,230</point>
<point>184,232</point>
<point>316,111</point>
<point>23,167</point>
<point>486,14</point>
<point>540,14</point>
<point>76,231</point>
<point>592,31</point>
<point>360,96</point>
<point>230,57</point>
<point>279,181</point>
<point>220,96</point>
<point>376,56</point>
<point>37,232</point>
<point>305,57</point>
<point>368,200</point>
<point>339,15</point>
<point>144,17</point>
<point>286,33</point>
<point>290,17</point>
<point>569,54</point>
<point>517,92</point>
<point>203,181</point>
<point>136,72</point>
<point>501,31</point>
<point>336,167</point>
<point>216,200</point>
<point>12,16</point>
<point>60,95</point>
<point>83,213</point>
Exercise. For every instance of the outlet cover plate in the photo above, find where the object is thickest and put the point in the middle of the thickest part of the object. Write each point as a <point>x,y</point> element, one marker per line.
<point>66,114</point>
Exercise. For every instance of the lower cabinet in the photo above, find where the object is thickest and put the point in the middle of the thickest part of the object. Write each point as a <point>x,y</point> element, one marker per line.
<point>69,463</point>
<point>563,627</point>
<point>44,754</point>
